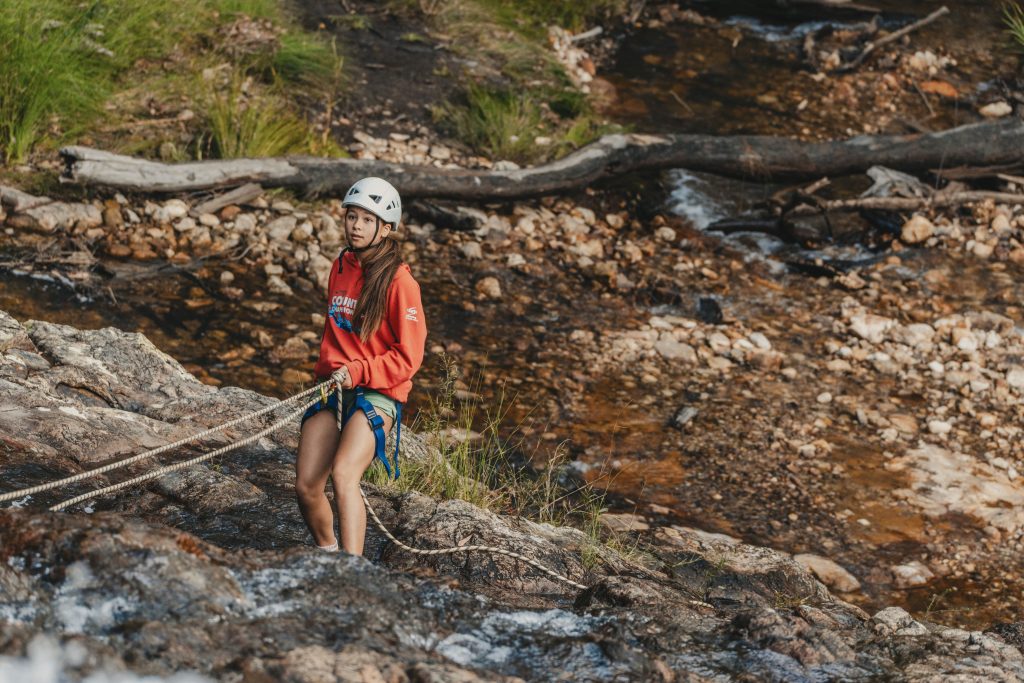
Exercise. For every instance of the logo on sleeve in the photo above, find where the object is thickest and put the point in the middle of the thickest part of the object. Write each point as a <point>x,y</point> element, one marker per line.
<point>410,314</point>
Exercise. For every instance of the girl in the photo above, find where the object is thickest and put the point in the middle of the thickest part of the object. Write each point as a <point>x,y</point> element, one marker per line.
<point>372,346</point>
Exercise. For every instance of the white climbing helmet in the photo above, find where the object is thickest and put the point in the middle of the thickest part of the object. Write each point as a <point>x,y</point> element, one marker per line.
<point>377,196</point>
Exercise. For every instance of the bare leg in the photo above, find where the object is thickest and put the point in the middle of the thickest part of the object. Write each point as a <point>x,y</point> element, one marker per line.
<point>355,453</point>
<point>318,443</point>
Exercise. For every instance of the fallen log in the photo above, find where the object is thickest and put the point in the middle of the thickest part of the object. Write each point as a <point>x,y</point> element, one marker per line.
<point>752,157</point>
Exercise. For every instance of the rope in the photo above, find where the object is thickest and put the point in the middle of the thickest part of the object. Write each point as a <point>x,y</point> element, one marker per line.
<point>186,463</point>
<point>239,444</point>
<point>157,451</point>
<point>466,549</point>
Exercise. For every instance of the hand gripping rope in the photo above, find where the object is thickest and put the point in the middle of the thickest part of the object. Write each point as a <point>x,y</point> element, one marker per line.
<point>289,418</point>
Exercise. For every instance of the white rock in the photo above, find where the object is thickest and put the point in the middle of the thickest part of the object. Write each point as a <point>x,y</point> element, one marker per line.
<point>824,397</point>
<point>871,327</point>
<point>828,572</point>
<point>896,621</point>
<point>245,222</point>
<point>917,230</point>
<point>281,228</point>
<point>185,224</point>
<point>671,348</point>
<point>911,574</point>
<point>515,260</point>
<point>278,286</point>
<point>982,250</point>
<point>471,250</point>
<point>939,427</point>
<point>760,341</point>
<point>172,210</point>
<point>1000,224</point>
<point>996,110</point>
<point>1015,377</point>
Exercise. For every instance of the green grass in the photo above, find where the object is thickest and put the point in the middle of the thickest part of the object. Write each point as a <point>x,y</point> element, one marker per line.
<point>486,471</point>
<point>499,123</point>
<point>62,61</point>
<point>1013,17</point>
<point>240,126</point>
<point>574,15</point>
<point>62,58</point>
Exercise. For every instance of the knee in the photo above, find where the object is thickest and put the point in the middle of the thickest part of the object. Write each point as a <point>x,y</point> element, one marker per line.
<point>345,480</point>
<point>308,491</point>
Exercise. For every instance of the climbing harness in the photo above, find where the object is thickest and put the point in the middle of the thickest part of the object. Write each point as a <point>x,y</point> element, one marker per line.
<point>377,425</point>
<point>361,403</point>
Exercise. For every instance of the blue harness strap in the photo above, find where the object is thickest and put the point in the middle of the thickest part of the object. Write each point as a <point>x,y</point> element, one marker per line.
<point>377,425</point>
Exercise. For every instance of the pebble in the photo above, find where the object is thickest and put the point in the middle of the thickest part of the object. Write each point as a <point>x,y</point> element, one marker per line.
<point>471,250</point>
<point>939,427</point>
<point>490,287</point>
<point>824,397</point>
<point>917,230</point>
<point>911,574</point>
<point>996,110</point>
<point>665,234</point>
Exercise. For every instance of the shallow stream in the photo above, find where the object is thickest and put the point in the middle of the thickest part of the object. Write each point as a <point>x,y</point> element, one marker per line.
<point>679,78</point>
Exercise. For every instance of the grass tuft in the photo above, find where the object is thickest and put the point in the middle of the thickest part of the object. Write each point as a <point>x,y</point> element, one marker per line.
<point>488,472</point>
<point>1013,17</point>
<point>250,127</point>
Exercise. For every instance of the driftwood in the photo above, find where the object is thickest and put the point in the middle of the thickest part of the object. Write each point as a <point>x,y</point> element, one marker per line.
<point>752,157</point>
<point>938,200</point>
<point>892,37</point>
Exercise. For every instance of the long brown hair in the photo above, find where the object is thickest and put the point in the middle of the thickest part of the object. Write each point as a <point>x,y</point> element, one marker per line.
<point>379,267</point>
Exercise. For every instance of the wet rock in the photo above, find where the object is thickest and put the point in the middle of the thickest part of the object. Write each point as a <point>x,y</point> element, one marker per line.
<point>708,311</point>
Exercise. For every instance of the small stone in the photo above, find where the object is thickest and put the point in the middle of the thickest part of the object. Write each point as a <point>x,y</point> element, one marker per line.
<point>209,220</point>
<point>1015,377</point>
<point>828,572</point>
<point>185,225</point>
<point>1000,224</point>
<point>870,327</point>
<point>440,153</point>
<point>904,423</point>
<point>245,222</point>
<point>171,210</point>
<point>917,230</point>
<point>280,228</point>
<point>490,287</point>
<point>911,574</point>
<point>472,250</point>
<point>670,348</point>
<point>996,110</point>
<point>227,277</point>
<point>982,250</point>
<point>939,427</point>
<point>824,397</point>
<point>760,341</point>
<point>665,234</point>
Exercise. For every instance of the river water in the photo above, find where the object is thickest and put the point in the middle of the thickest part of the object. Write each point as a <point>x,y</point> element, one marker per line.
<point>742,76</point>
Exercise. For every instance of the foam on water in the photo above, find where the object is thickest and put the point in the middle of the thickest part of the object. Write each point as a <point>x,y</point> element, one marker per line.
<point>691,202</point>
<point>777,33</point>
<point>51,662</point>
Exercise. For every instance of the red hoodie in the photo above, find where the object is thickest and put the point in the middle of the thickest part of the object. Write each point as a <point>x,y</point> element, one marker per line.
<point>388,360</point>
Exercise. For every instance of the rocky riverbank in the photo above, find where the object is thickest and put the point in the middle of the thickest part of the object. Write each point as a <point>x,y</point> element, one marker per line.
<point>210,571</point>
